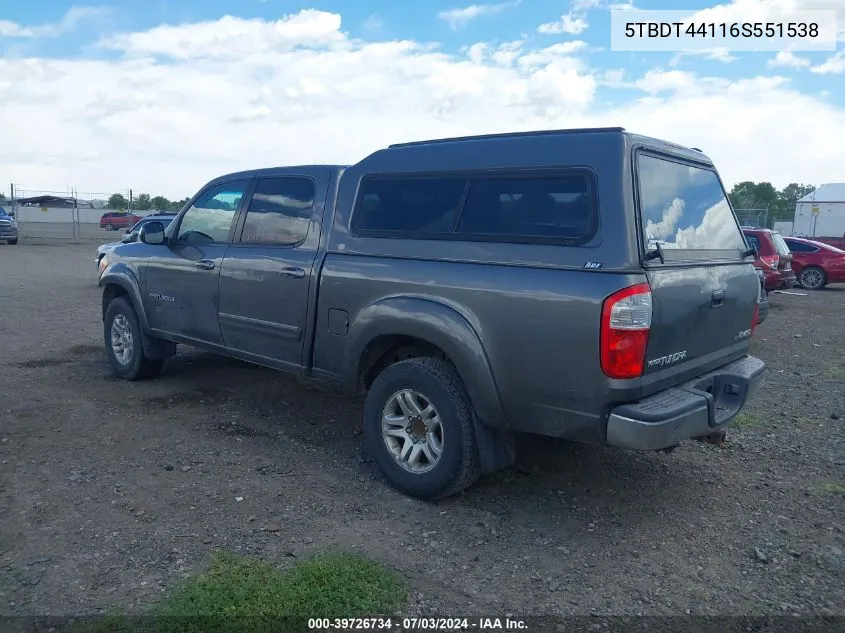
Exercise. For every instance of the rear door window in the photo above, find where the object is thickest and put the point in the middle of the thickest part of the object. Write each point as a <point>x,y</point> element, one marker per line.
<point>684,209</point>
<point>279,211</point>
<point>753,242</point>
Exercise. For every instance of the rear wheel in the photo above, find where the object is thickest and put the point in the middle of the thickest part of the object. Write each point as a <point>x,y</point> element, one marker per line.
<point>418,426</point>
<point>124,346</point>
<point>812,278</point>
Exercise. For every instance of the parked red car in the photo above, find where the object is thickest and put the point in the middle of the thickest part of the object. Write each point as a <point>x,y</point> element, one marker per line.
<point>816,263</point>
<point>116,220</point>
<point>773,257</point>
<point>837,242</point>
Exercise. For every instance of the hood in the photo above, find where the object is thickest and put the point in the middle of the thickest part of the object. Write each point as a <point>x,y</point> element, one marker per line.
<point>107,247</point>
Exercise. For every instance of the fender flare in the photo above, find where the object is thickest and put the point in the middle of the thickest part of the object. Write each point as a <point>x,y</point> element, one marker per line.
<point>123,276</point>
<point>119,274</point>
<point>438,324</point>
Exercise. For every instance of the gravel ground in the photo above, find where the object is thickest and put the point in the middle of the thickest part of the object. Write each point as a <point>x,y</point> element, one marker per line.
<point>112,491</point>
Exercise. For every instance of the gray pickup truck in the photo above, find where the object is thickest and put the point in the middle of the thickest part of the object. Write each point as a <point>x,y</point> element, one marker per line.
<point>585,284</point>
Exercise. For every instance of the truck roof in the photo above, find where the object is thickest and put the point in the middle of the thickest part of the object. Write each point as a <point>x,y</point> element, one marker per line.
<point>269,172</point>
<point>457,152</point>
<point>531,147</point>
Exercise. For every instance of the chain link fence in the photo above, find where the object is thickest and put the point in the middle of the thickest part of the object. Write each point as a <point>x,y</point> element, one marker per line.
<point>71,214</point>
<point>757,218</point>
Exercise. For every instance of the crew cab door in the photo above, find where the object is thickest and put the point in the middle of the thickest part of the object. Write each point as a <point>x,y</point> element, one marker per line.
<point>181,290</point>
<point>269,268</point>
<point>704,293</point>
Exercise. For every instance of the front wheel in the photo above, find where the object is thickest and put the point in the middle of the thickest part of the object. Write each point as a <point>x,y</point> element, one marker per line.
<point>812,278</point>
<point>122,334</point>
<point>12,242</point>
<point>418,426</point>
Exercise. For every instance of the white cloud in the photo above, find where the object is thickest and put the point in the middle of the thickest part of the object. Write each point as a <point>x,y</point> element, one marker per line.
<point>373,23</point>
<point>566,24</point>
<point>716,54</point>
<point>833,65</point>
<point>72,18</point>
<point>788,59</point>
<point>575,22</point>
<point>458,18</point>
<point>186,103</point>
<point>758,10</point>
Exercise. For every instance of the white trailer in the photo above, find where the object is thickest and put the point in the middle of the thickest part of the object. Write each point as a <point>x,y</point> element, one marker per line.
<point>821,214</point>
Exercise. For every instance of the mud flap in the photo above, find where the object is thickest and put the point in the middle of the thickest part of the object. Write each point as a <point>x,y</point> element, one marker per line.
<point>496,448</point>
<point>156,348</point>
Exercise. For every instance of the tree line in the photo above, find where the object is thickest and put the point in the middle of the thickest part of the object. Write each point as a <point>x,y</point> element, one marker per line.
<point>144,202</point>
<point>763,195</point>
<point>744,195</point>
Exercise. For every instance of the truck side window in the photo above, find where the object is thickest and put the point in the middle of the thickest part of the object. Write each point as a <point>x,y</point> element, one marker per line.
<point>409,205</point>
<point>209,219</point>
<point>556,207</point>
<point>279,212</point>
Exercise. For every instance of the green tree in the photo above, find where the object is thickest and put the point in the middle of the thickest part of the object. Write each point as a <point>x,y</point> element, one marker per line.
<point>117,201</point>
<point>160,203</point>
<point>142,202</point>
<point>789,195</point>
<point>176,205</point>
<point>752,195</point>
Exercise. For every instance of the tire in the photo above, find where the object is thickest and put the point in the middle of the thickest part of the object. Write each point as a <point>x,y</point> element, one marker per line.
<point>12,242</point>
<point>438,384</point>
<point>109,227</point>
<point>134,365</point>
<point>812,278</point>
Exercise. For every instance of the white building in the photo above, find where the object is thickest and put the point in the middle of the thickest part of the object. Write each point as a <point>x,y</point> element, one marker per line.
<point>821,213</point>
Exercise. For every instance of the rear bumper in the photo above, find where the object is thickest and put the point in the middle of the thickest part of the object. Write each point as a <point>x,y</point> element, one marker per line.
<point>696,408</point>
<point>779,279</point>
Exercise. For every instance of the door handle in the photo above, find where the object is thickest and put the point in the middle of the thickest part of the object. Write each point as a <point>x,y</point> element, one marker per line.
<point>204,264</point>
<point>718,298</point>
<point>293,271</point>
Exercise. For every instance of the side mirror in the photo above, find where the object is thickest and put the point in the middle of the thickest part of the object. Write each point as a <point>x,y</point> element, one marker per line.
<point>152,233</point>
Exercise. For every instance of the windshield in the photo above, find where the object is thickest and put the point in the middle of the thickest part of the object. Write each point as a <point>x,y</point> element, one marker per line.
<point>684,208</point>
<point>137,227</point>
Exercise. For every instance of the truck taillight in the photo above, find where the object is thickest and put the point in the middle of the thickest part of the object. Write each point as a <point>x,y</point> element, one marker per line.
<point>771,261</point>
<point>625,326</point>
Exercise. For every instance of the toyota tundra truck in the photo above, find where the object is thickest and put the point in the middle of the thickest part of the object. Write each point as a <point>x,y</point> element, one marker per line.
<point>587,284</point>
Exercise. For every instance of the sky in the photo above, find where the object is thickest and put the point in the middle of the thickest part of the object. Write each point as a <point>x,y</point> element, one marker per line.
<point>161,96</point>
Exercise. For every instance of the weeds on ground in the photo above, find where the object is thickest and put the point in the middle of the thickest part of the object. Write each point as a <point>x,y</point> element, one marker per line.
<point>836,373</point>
<point>243,595</point>
<point>833,488</point>
<point>746,421</point>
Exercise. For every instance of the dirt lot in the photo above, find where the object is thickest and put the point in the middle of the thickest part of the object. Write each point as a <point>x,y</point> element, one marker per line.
<point>112,491</point>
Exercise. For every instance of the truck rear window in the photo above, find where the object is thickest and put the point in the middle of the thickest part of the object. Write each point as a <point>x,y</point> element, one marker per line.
<point>684,208</point>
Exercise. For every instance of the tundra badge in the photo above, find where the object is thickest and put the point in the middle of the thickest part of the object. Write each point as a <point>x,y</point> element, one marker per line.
<point>668,359</point>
